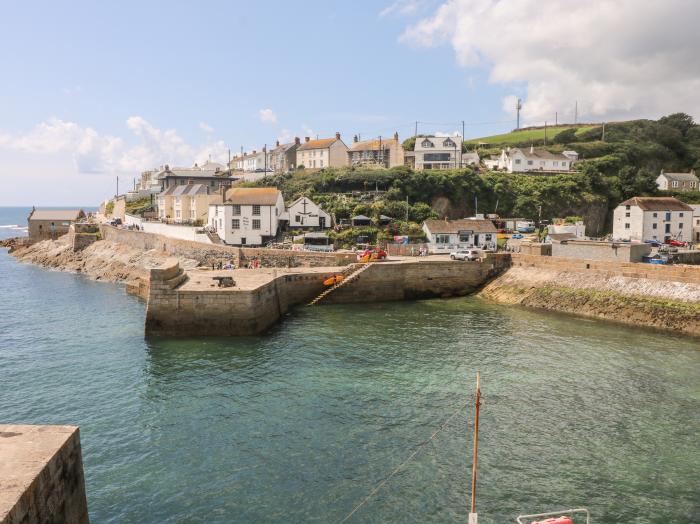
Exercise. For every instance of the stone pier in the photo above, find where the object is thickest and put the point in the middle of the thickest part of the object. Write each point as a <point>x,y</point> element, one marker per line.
<point>41,475</point>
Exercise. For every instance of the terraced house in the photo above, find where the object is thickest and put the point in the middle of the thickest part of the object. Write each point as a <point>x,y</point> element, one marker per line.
<point>248,216</point>
<point>324,152</point>
<point>377,152</point>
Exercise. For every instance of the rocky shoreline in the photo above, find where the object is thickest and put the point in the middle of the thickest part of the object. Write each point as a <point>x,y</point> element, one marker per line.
<point>671,306</point>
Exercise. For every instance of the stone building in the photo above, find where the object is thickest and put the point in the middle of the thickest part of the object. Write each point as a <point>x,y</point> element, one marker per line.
<point>386,152</point>
<point>653,218</point>
<point>46,224</point>
<point>283,158</point>
<point>678,181</point>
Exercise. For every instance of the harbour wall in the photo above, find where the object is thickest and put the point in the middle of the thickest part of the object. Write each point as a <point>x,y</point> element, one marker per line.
<point>41,475</point>
<point>658,296</point>
<point>207,253</point>
<point>174,310</point>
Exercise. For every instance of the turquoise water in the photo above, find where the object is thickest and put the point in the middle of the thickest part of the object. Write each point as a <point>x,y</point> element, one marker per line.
<point>301,424</point>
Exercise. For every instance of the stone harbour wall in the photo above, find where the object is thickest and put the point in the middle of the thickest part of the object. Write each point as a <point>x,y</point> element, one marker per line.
<point>208,253</point>
<point>41,475</point>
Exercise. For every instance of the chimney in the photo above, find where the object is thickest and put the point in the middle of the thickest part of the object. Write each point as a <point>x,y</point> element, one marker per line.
<point>167,167</point>
<point>254,151</point>
<point>277,144</point>
<point>355,139</point>
<point>297,140</point>
<point>396,136</point>
<point>306,139</point>
<point>337,135</point>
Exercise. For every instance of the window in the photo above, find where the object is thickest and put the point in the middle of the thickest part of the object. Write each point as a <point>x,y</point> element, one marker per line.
<point>529,162</point>
<point>674,183</point>
<point>680,226</point>
<point>680,215</point>
<point>427,143</point>
<point>464,237</point>
<point>298,219</point>
<point>256,210</point>
<point>436,157</point>
<point>555,163</point>
<point>563,164</point>
<point>654,225</point>
<point>517,160</point>
<point>668,216</point>
<point>256,223</point>
<point>487,237</point>
<point>442,239</point>
<point>655,215</point>
<point>236,209</point>
<point>320,163</point>
<point>449,143</point>
<point>177,213</point>
<point>236,223</point>
<point>629,207</point>
<point>627,226</point>
<point>627,214</point>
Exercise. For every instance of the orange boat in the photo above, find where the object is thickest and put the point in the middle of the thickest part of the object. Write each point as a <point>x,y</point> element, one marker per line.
<point>332,281</point>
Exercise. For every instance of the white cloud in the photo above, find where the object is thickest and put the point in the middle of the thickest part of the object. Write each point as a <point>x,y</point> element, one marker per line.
<point>96,153</point>
<point>268,116</point>
<point>617,58</point>
<point>206,127</point>
<point>402,7</point>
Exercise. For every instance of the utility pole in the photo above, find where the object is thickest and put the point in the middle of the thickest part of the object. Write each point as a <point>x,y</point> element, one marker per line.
<point>556,118</point>
<point>477,404</point>
<point>545,132</point>
<point>416,133</point>
<point>576,112</point>
<point>518,107</point>
<point>603,139</point>
<point>117,193</point>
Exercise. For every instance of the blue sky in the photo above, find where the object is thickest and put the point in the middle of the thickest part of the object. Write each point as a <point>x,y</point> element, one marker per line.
<point>95,89</point>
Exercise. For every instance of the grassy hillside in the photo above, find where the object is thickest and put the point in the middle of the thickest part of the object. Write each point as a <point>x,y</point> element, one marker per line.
<point>525,136</point>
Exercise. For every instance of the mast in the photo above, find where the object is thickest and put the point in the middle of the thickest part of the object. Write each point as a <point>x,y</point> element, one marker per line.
<point>477,403</point>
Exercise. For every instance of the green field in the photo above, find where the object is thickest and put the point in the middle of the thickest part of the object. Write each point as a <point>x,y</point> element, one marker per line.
<point>525,135</point>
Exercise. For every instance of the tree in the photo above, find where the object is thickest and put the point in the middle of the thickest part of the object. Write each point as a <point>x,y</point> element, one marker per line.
<point>680,121</point>
<point>566,137</point>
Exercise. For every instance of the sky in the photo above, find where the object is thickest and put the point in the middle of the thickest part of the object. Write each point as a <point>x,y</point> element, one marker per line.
<point>95,90</point>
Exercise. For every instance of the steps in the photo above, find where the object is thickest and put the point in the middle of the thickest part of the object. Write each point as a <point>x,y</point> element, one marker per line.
<point>351,274</point>
<point>215,239</point>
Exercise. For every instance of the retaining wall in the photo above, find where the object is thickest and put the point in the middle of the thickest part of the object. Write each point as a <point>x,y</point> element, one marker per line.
<point>41,475</point>
<point>207,253</point>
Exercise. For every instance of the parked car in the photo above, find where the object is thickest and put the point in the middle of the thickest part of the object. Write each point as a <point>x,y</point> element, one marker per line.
<point>374,253</point>
<point>465,254</point>
<point>675,243</point>
<point>653,243</point>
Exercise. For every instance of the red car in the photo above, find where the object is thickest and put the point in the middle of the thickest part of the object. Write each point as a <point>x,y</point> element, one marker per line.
<point>675,243</point>
<point>374,253</point>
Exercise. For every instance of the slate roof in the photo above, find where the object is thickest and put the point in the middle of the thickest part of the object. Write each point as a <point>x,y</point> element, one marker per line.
<point>541,154</point>
<point>681,177</point>
<point>55,214</point>
<point>263,196</point>
<point>455,226</point>
<point>657,204</point>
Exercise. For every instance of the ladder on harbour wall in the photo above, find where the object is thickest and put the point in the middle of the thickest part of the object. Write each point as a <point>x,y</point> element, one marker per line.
<point>350,276</point>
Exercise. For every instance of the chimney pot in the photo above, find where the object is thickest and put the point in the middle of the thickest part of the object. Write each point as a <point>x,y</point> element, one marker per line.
<point>306,139</point>
<point>254,151</point>
<point>337,135</point>
<point>396,136</point>
<point>297,140</point>
<point>277,143</point>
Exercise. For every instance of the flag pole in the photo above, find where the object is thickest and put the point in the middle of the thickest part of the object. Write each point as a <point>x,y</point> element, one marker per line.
<point>477,403</point>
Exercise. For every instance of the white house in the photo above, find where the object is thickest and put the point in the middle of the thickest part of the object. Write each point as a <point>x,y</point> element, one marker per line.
<point>696,222</point>
<point>653,218</point>
<point>248,216</point>
<point>305,213</point>
<point>678,181</point>
<point>445,236</point>
<point>516,160</point>
<point>438,152</point>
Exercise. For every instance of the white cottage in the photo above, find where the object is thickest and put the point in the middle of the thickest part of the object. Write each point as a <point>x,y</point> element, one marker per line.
<point>305,213</point>
<point>438,152</point>
<point>445,236</point>
<point>516,160</point>
<point>653,218</point>
<point>248,216</point>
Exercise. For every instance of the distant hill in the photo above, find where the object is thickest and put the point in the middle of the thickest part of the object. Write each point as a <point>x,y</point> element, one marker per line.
<point>530,134</point>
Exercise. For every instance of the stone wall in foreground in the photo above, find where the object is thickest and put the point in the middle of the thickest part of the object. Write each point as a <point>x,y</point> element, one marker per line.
<point>208,253</point>
<point>41,475</point>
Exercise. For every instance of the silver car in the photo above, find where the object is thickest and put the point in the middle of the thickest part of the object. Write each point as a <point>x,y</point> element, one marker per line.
<point>465,254</point>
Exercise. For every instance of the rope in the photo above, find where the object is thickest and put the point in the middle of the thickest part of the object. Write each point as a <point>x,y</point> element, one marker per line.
<point>398,468</point>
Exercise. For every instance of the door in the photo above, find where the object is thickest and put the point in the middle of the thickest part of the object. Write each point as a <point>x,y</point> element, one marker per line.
<point>321,222</point>
<point>243,241</point>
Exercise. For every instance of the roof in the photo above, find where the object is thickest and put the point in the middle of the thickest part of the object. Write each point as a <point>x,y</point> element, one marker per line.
<point>437,142</point>
<point>373,145</point>
<point>56,214</point>
<point>540,153</point>
<point>317,234</point>
<point>283,148</point>
<point>263,196</point>
<point>322,143</point>
<point>681,177</point>
<point>657,204</point>
<point>455,226</point>
<point>360,217</point>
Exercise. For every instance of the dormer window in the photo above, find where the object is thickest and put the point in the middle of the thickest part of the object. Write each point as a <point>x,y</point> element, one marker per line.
<point>427,143</point>
<point>448,143</point>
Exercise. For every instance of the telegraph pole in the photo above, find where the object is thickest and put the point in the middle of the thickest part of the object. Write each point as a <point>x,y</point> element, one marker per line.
<point>603,138</point>
<point>477,404</point>
<point>518,107</point>
<point>416,133</point>
<point>576,112</point>
<point>117,193</point>
<point>545,132</point>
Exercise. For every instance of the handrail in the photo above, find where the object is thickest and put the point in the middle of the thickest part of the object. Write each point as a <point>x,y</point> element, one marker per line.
<point>553,513</point>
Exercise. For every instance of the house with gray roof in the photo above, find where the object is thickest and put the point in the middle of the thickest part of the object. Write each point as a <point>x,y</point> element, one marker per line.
<point>283,158</point>
<point>521,160</point>
<point>445,236</point>
<point>44,224</point>
<point>678,181</point>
